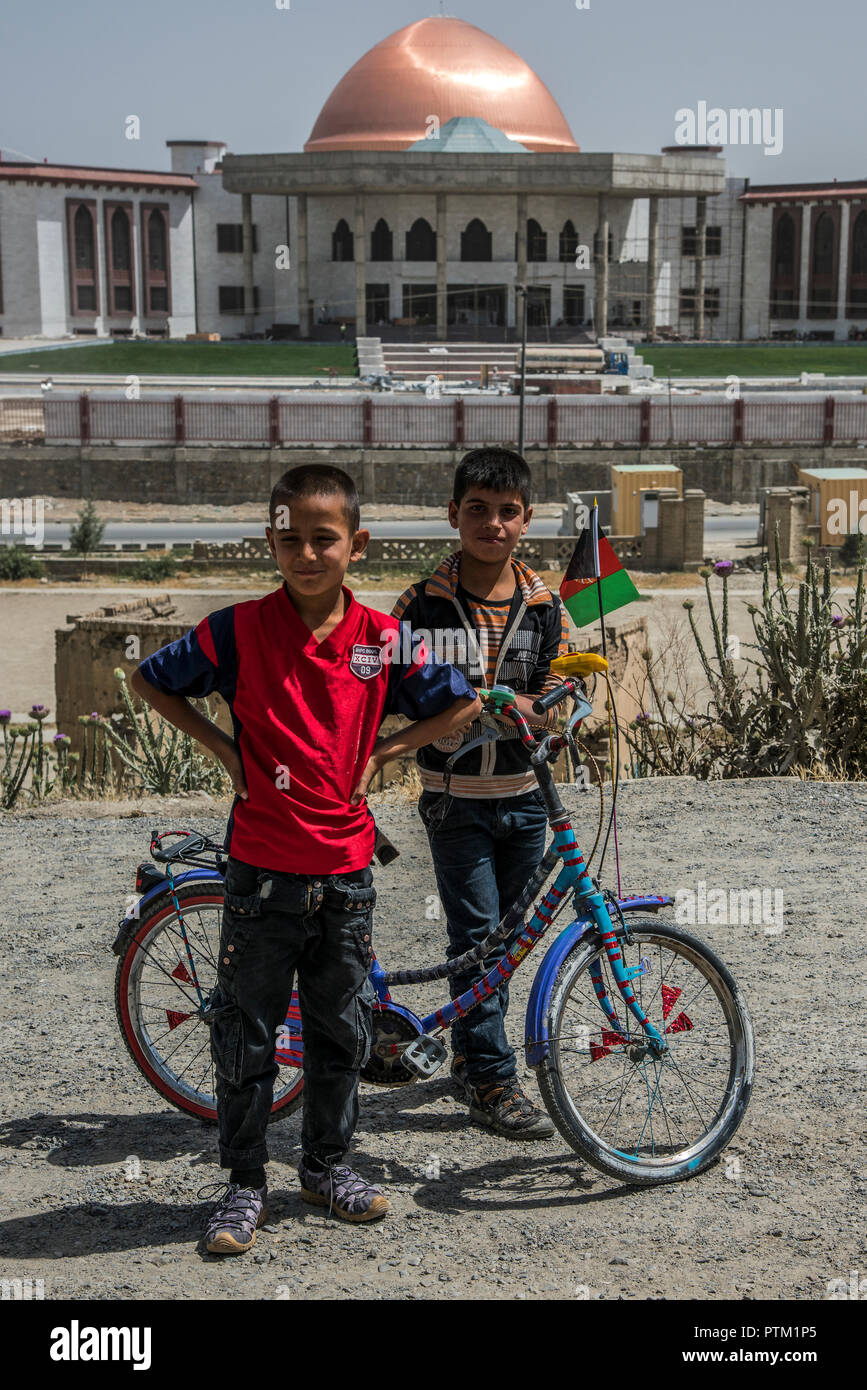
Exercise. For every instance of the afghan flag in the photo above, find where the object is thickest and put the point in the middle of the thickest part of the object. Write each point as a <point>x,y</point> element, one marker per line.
<point>594,570</point>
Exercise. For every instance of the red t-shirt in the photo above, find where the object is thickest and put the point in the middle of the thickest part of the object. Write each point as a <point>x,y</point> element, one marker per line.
<point>305,716</point>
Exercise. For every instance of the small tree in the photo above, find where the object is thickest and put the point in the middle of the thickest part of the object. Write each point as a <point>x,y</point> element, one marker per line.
<point>87,534</point>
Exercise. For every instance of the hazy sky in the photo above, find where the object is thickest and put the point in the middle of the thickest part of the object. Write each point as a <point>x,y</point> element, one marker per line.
<point>255,76</point>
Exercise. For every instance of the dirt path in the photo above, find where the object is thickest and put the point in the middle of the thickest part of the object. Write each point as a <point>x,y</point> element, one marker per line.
<point>99,1179</point>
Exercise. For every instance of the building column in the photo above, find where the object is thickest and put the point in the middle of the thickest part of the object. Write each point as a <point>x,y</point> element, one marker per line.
<point>600,308</point>
<point>521,257</point>
<point>442,264</point>
<point>360,263</point>
<point>804,286</point>
<point>247,249</point>
<point>303,269</point>
<point>700,239</point>
<point>652,264</point>
<point>841,329</point>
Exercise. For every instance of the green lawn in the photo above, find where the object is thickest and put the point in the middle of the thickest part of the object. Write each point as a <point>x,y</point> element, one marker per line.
<point>782,359</point>
<point>189,359</point>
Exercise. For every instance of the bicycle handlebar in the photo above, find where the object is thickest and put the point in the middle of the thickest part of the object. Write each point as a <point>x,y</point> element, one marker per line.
<point>554,697</point>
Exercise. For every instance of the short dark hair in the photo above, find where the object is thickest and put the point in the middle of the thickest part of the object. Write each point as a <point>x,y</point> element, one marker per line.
<point>497,470</point>
<point>317,480</point>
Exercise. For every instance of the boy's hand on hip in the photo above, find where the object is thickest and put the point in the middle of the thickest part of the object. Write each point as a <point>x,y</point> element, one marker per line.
<point>231,760</point>
<point>371,767</point>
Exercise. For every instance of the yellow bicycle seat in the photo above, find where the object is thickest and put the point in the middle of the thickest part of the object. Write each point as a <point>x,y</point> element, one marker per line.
<point>578,664</point>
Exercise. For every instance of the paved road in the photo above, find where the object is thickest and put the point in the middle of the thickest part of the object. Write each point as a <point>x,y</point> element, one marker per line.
<point>718,528</point>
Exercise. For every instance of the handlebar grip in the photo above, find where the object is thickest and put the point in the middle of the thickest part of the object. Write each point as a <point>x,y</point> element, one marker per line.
<point>191,841</point>
<point>546,702</point>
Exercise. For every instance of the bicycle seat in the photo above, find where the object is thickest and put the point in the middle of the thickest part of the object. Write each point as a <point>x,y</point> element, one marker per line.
<point>578,664</point>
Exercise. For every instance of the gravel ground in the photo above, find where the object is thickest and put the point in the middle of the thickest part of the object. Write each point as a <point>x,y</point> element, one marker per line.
<point>472,1216</point>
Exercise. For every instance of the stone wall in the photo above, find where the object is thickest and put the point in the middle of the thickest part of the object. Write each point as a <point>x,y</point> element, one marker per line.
<point>88,652</point>
<point>790,507</point>
<point>413,476</point>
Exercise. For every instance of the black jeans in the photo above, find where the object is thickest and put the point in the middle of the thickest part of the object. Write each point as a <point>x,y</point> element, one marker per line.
<point>484,850</point>
<point>274,926</point>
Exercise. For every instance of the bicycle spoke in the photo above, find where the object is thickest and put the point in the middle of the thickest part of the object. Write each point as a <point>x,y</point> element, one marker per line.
<point>622,1094</point>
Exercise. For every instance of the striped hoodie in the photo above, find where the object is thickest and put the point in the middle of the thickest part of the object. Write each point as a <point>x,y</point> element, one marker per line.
<point>510,643</point>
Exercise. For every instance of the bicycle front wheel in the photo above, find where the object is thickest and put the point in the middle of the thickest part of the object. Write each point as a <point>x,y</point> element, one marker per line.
<point>642,1118</point>
<point>159,1009</point>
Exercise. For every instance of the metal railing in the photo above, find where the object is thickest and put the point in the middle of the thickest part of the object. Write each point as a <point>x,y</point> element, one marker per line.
<point>450,422</point>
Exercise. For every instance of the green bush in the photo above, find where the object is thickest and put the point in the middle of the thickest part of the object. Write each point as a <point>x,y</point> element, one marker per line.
<point>155,568</point>
<point>853,550</point>
<point>18,562</point>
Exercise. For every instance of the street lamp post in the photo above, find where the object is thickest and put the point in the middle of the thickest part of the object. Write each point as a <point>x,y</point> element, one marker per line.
<point>521,290</point>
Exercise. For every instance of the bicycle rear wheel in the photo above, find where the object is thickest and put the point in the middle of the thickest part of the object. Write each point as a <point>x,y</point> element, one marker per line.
<point>159,1010</point>
<point>637,1117</point>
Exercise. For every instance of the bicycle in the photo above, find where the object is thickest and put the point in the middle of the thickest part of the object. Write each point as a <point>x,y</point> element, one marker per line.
<point>641,1039</point>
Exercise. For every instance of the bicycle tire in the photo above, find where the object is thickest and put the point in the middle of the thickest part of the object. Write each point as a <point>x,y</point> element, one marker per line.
<point>157,919</point>
<point>641,1169</point>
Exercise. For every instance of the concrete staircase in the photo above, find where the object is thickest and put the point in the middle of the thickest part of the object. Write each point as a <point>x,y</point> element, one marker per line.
<point>453,362</point>
<point>638,369</point>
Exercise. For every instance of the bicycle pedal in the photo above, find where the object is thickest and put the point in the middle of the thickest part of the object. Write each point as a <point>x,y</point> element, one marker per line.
<point>424,1056</point>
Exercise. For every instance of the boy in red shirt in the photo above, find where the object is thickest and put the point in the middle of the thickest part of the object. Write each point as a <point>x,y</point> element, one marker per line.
<point>308,674</point>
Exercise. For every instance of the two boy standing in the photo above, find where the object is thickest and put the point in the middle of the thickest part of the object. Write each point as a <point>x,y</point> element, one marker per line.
<point>303,673</point>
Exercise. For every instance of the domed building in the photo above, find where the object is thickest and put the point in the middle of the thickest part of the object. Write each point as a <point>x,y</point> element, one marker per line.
<point>439,175</point>
<point>444,66</point>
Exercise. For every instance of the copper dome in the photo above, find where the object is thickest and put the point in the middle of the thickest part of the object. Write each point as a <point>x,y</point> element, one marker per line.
<point>438,67</point>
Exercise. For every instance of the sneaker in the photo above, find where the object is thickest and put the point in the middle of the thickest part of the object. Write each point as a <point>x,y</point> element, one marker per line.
<point>503,1107</point>
<point>460,1081</point>
<point>342,1191</point>
<point>233,1222</point>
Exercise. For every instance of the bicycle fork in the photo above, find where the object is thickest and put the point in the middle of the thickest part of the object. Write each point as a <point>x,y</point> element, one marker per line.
<point>588,895</point>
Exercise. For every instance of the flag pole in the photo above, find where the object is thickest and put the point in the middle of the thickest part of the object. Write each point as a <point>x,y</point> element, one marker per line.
<point>615,771</point>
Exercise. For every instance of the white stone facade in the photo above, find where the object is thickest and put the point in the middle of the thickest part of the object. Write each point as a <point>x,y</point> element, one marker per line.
<point>37,292</point>
<point>34,260</point>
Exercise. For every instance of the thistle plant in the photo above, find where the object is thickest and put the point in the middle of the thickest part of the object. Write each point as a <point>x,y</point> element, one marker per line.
<point>153,755</point>
<point>30,765</point>
<point>802,704</point>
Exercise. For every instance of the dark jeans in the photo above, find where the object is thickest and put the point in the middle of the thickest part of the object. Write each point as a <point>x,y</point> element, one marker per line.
<point>274,926</point>
<point>483,852</point>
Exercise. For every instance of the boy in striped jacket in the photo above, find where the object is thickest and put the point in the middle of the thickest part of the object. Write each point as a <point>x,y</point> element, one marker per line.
<point>493,618</point>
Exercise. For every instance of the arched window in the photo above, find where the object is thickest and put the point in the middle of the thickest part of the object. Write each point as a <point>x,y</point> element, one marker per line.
<point>121,250</point>
<point>823,245</point>
<point>856,298</point>
<point>537,242</point>
<point>157,258</point>
<point>568,241</point>
<point>342,242</point>
<point>785,274</point>
<point>822,299</point>
<point>476,242</point>
<point>81,251</point>
<point>381,242</point>
<point>421,241</point>
<point>85,255</point>
<point>156,288</point>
